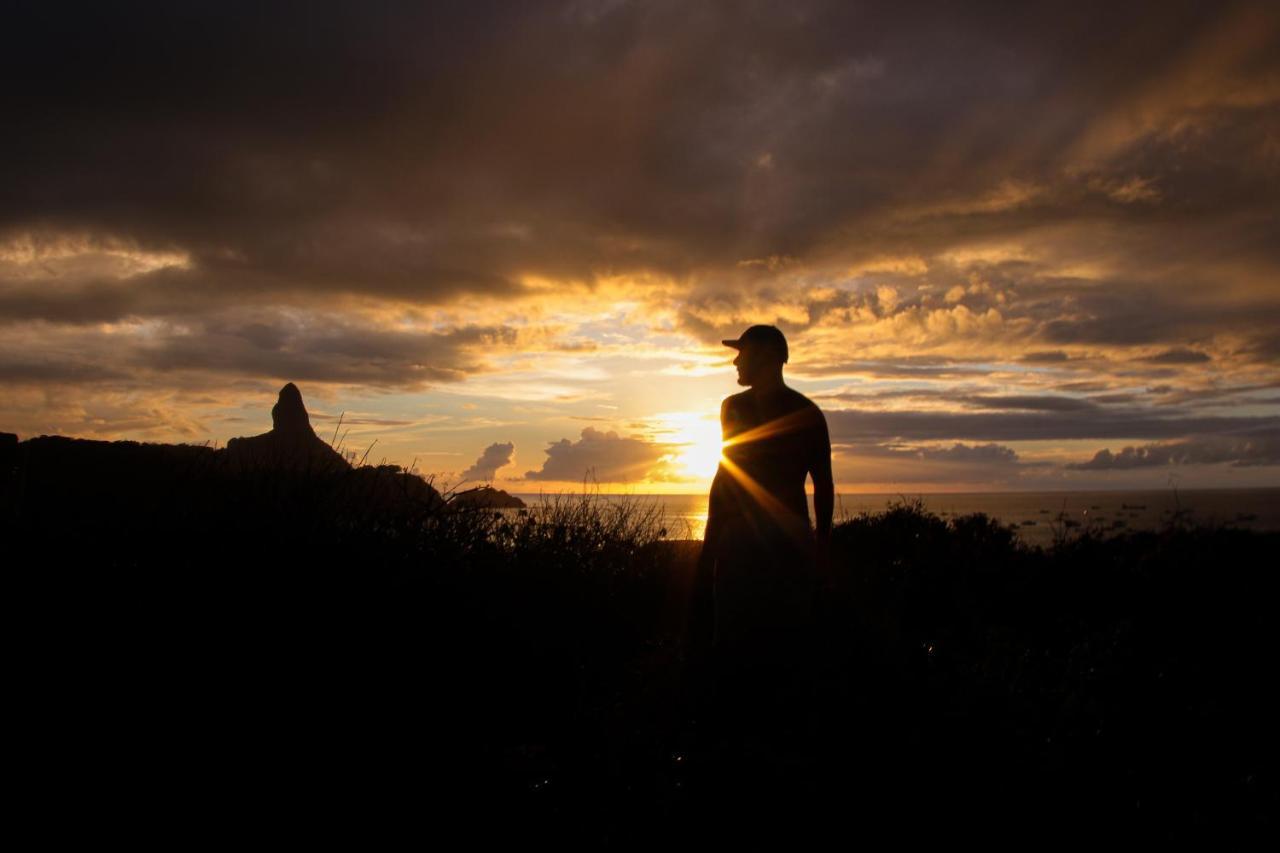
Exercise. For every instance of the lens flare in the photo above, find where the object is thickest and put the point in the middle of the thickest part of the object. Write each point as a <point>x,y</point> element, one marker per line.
<point>696,438</point>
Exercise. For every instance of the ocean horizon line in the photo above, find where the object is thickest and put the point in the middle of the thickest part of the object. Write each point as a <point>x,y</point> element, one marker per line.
<point>910,492</point>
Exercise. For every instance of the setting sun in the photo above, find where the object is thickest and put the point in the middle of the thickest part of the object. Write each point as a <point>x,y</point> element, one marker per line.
<point>697,441</point>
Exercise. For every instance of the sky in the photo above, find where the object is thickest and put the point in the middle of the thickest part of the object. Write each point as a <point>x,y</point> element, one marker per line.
<point>1012,246</point>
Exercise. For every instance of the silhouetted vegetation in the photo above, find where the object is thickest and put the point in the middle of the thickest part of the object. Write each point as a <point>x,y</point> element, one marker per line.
<point>306,634</point>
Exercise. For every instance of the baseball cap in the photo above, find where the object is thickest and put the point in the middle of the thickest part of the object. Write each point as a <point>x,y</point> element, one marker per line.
<point>764,337</point>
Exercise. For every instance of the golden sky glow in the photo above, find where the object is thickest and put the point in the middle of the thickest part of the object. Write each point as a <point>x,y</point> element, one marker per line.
<point>1034,251</point>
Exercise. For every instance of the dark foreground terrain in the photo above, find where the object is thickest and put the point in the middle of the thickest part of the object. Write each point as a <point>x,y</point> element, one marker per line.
<point>200,653</point>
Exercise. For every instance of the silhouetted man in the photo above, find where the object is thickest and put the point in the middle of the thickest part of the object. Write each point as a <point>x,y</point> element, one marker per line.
<point>760,556</point>
<point>759,547</point>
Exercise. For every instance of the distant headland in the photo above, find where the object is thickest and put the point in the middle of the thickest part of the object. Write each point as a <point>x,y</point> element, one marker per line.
<point>291,448</point>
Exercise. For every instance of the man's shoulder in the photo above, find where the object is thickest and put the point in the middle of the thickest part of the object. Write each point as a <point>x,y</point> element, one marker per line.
<point>734,403</point>
<point>792,401</point>
<point>798,398</point>
<point>805,414</point>
<point>798,402</point>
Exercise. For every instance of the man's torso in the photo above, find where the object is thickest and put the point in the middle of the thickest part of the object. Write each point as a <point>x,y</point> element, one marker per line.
<point>770,446</point>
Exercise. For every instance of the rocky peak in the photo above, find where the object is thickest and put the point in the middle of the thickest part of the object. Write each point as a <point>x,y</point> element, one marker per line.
<point>289,415</point>
<point>291,442</point>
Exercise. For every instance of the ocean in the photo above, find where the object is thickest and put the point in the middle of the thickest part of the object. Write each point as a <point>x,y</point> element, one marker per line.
<point>1036,516</point>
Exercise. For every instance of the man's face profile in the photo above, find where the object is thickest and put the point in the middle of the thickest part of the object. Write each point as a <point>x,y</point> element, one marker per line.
<point>754,363</point>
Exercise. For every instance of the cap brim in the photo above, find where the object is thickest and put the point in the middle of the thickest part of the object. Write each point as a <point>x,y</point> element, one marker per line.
<point>734,344</point>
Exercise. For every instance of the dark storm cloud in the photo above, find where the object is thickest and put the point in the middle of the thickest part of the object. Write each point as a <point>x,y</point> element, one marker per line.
<point>329,352</point>
<point>970,454</point>
<point>859,427</point>
<point>424,150</point>
<point>1179,356</point>
<point>991,402</point>
<point>898,369</point>
<point>1086,387</point>
<point>1045,357</point>
<point>277,344</point>
<point>1260,448</point>
<point>93,303</point>
<point>166,292</point>
<point>495,456</point>
<point>1135,313</point>
<point>18,369</point>
<point>1040,403</point>
<point>1219,395</point>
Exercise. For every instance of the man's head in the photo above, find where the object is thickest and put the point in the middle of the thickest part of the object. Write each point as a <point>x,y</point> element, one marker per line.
<point>762,350</point>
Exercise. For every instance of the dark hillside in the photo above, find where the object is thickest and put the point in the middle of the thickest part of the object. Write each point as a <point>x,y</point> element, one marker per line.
<point>338,635</point>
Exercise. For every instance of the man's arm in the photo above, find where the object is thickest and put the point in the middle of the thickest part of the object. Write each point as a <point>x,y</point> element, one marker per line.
<point>711,533</point>
<point>701,622</point>
<point>824,491</point>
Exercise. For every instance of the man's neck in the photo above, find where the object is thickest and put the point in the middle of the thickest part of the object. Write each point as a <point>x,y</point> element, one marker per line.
<point>767,386</point>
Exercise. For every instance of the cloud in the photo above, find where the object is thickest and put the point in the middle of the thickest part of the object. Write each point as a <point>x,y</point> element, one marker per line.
<point>155,415</point>
<point>1262,448</point>
<point>423,154</point>
<point>436,196</point>
<point>1178,356</point>
<point>979,453</point>
<point>495,456</point>
<point>1044,357</point>
<point>287,345</point>
<point>348,419</point>
<point>961,398</point>
<point>1040,403</point>
<point>861,427</point>
<point>604,457</point>
<point>958,453</point>
<point>900,368</point>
